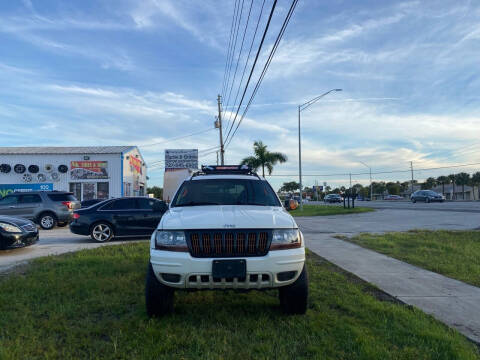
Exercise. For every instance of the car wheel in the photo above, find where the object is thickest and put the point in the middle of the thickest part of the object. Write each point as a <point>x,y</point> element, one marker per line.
<point>101,232</point>
<point>427,200</point>
<point>47,221</point>
<point>159,298</point>
<point>294,297</point>
<point>414,201</point>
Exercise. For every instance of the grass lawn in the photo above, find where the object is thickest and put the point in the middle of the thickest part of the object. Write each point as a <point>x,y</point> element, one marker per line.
<point>90,305</point>
<point>325,210</point>
<point>452,253</point>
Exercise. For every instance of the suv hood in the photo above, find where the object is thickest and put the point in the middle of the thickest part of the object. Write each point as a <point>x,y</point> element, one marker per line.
<point>226,216</point>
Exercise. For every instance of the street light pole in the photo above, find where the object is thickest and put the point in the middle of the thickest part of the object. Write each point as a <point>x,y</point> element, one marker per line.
<point>300,108</point>
<point>370,170</point>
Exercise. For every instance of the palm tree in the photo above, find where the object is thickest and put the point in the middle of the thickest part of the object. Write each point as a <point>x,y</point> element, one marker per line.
<point>263,158</point>
<point>463,179</point>
<point>443,180</point>
<point>475,181</point>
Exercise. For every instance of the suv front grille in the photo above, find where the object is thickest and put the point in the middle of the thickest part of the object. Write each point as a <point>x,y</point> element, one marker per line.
<point>228,243</point>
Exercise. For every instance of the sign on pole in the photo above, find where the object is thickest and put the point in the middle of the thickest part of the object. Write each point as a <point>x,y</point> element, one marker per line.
<point>181,159</point>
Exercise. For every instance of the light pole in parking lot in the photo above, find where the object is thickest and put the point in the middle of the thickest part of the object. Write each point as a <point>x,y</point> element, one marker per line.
<point>370,169</point>
<point>301,108</point>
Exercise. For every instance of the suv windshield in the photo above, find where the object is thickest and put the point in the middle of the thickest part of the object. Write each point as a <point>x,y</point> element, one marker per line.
<point>225,192</point>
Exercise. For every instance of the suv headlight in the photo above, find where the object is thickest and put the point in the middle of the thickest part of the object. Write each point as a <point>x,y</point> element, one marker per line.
<point>10,228</point>
<point>286,239</point>
<point>171,240</point>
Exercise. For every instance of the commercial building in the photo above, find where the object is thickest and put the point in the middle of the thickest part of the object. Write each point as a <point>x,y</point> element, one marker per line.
<point>89,172</point>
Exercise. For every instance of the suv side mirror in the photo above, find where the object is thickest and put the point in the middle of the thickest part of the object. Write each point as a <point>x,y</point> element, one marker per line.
<point>160,206</point>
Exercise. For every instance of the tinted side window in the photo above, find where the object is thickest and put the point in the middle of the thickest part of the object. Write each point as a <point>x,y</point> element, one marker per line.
<point>62,197</point>
<point>145,204</point>
<point>9,200</point>
<point>29,199</point>
<point>123,204</point>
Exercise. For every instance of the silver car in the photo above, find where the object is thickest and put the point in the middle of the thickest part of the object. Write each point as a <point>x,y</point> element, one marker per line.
<point>46,208</point>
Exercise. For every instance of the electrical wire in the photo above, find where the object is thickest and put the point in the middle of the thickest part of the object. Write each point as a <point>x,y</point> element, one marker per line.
<point>229,47</point>
<point>178,138</point>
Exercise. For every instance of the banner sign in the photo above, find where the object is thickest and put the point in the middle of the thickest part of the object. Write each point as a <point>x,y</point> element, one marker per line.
<point>136,164</point>
<point>80,170</point>
<point>6,189</point>
<point>181,159</point>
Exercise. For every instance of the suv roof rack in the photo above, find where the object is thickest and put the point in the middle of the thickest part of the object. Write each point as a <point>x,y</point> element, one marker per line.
<point>225,169</point>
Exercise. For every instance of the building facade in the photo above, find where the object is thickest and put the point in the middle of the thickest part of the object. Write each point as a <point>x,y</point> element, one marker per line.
<point>88,172</point>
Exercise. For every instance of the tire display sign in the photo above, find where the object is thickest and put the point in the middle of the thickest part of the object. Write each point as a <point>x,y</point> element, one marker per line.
<point>136,164</point>
<point>181,159</point>
<point>84,170</point>
<point>6,189</point>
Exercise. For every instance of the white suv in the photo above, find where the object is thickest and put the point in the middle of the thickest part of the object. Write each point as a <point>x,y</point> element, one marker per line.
<point>226,229</point>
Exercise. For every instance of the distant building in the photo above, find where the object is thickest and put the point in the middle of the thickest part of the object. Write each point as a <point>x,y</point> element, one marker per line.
<point>454,192</point>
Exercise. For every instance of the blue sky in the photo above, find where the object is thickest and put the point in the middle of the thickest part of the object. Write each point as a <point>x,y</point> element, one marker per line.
<point>142,72</point>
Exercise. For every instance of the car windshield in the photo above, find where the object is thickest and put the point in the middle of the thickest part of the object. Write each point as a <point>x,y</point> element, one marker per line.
<point>225,192</point>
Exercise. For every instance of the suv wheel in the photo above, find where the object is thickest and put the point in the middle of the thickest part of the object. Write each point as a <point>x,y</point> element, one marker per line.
<point>414,201</point>
<point>158,297</point>
<point>294,297</point>
<point>101,232</point>
<point>47,221</point>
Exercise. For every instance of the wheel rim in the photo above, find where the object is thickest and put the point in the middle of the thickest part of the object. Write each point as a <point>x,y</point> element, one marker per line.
<point>101,232</point>
<point>47,221</point>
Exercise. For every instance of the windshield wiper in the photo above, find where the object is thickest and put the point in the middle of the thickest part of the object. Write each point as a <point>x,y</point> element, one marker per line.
<point>193,203</point>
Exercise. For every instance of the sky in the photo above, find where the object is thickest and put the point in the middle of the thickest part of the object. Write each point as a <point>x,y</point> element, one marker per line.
<point>128,72</point>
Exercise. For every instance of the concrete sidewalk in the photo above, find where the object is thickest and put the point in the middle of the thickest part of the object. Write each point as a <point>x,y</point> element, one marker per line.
<point>450,301</point>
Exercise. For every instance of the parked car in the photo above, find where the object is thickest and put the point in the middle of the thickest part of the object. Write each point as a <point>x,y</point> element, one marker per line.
<point>17,232</point>
<point>46,208</point>
<point>332,198</point>
<point>393,197</point>
<point>426,196</point>
<point>226,229</point>
<point>88,203</point>
<point>128,216</point>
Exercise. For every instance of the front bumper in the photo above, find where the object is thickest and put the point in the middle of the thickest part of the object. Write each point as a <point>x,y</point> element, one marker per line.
<point>196,273</point>
<point>15,241</point>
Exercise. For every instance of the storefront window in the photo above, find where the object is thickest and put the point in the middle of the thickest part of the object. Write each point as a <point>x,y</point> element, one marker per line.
<point>76,189</point>
<point>102,190</point>
<point>88,191</point>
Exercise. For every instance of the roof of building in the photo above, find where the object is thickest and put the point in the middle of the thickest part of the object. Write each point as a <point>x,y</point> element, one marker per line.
<point>65,150</point>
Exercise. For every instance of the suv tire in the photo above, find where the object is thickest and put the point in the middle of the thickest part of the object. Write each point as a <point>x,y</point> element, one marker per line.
<point>159,298</point>
<point>101,232</point>
<point>47,221</point>
<point>294,297</point>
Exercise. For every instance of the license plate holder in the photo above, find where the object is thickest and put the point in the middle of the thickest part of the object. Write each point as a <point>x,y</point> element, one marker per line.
<point>229,269</point>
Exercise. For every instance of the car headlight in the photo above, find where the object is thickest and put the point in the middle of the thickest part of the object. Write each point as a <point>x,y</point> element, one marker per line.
<point>286,239</point>
<point>171,240</point>
<point>10,228</point>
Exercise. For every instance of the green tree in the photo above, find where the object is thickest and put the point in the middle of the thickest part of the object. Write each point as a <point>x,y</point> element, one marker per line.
<point>463,179</point>
<point>476,182</point>
<point>443,180</point>
<point>263,158</point>
<point>156,191</point>
<point>393,188</point>
<point>429,183</point>
<point>290,186</point>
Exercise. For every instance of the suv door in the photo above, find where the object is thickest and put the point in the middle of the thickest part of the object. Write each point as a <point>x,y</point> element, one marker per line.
<point>8,205</point>
<point>28,205</point>
<point>148,218</point>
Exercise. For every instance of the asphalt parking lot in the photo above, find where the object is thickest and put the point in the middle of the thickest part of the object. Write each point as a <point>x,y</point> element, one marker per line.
<point>390,216</point>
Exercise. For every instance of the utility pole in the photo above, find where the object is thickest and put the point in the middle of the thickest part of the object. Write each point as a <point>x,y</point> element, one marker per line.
<point>217,157</point>
<point>411,168</point>
<point>300,160</point>
<point>350,181</point>
<point>222,150</point>
<point>371,186</point>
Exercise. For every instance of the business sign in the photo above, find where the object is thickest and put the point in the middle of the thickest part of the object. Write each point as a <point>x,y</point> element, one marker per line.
<point>136,164</point>
<point>181,159</point>
<point>6,189</point>
<point>80,170</point>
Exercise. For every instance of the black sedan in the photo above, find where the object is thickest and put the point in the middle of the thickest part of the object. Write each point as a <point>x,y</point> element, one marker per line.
<point>426,196</point>
<point>132,216</point>
<point>17,232</point>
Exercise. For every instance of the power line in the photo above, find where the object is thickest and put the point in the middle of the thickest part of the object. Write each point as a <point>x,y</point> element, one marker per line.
<point>254,63</point>
<point>246,62</point>
<point>229,46</point>
<point>239,53</point>
<point>267,64</point>
<point>178,138</point>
